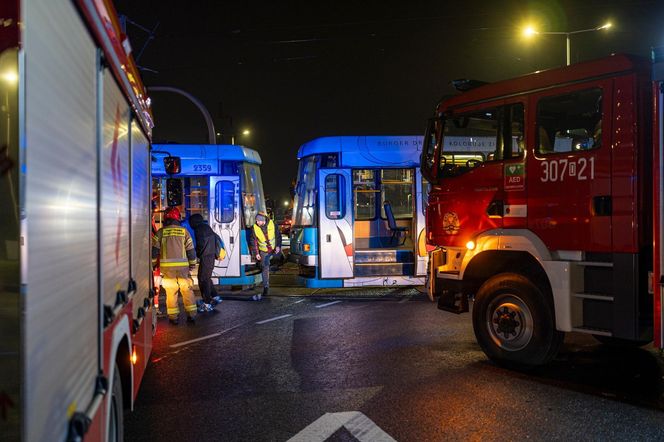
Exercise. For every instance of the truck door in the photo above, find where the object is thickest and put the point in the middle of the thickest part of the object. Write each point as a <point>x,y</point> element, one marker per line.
<point>335,223</point>
<point>569,175</point>
<point>225,220</point>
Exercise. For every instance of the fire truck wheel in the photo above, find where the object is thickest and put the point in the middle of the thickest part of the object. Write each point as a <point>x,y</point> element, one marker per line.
<point>514,322</point>
<point>116,421</point>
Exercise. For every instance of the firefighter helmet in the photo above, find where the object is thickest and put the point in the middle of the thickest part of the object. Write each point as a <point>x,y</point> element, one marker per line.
<point>172,213</point>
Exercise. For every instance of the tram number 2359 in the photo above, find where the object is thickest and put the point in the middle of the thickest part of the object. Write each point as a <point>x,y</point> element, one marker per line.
<point>581,169</point>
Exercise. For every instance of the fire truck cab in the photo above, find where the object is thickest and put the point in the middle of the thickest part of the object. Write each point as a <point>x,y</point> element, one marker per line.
<point>541,207</point>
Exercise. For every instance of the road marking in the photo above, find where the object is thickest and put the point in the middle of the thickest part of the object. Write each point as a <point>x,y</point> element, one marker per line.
<point>328,304</point>
<point>361,427</point>
<point>297,302</point>
<point>274,319</point>
<point>203,338</point>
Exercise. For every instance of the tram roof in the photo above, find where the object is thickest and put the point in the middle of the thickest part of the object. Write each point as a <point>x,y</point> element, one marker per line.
<point>363,151</point>
<point>225,152</point>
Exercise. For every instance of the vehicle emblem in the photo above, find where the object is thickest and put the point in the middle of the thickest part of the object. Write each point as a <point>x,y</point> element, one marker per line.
<point>451,224</point>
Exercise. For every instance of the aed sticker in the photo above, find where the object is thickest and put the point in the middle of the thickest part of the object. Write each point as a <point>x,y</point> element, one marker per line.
<point>515,177</point>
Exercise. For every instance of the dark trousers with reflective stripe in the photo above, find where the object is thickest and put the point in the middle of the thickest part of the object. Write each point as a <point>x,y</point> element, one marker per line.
<point>205,268</point>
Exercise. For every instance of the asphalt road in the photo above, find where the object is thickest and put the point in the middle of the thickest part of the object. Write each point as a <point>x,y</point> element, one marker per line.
<point>298,367</point>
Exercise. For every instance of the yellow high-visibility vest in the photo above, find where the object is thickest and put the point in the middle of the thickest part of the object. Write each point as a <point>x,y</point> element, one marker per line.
<point>173,243</point>
<point>260,238</point>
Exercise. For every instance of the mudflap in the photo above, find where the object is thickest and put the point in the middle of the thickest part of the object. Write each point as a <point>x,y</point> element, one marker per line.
<point>455,302</point>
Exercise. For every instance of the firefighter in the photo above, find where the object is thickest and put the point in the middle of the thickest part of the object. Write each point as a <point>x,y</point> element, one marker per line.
<point>265,243</point>
<point>173,247</point>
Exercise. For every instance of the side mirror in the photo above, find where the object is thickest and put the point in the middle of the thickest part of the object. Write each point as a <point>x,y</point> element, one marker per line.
<point>174,192</point>
<point>172,165</point>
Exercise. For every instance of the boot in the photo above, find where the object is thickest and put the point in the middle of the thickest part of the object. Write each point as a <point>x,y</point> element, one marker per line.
<point>173,320</point>
<point>265,290</point>
<point>191,320</point>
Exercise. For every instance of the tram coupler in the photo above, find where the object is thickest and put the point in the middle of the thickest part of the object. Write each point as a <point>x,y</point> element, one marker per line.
<point>455,302</point>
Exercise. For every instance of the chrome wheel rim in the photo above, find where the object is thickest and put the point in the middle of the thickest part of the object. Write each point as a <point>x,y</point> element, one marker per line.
<point>509,322</point>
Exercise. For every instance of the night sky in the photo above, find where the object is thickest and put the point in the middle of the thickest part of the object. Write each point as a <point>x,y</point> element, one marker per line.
<point>294,71</point>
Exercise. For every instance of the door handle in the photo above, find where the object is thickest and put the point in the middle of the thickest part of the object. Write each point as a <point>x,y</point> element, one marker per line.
<point>602,205</point>
<point>328,238</point>
<point>496,209</point>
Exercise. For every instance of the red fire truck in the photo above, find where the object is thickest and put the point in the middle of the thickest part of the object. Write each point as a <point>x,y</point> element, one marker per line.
<point>76,318</point>
<point>543,210</point>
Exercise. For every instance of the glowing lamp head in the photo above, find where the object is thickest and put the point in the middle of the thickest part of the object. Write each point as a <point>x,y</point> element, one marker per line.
<point>470,245</point>
<point>306,247</point>
<point>134,356</point>
<point>529,31</point>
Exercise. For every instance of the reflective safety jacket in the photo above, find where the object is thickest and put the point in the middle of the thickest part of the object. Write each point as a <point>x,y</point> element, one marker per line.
<point>262,243</point>
<point>173,246</point>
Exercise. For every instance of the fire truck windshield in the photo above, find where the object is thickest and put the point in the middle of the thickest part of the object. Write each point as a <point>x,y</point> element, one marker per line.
<point>460,143</point>
<point>469,140</point>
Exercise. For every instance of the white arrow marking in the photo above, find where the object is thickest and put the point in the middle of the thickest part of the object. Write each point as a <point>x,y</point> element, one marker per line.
<point>357,424</point>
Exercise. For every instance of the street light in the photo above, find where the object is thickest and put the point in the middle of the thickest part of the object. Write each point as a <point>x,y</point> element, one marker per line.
<point>245,132</point>
<point>529,31</point>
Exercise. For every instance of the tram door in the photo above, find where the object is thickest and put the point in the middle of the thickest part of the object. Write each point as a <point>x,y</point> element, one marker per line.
<point>335,223</point>
<point>225,220</point>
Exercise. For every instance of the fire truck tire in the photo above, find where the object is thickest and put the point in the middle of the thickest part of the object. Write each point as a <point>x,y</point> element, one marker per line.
<point>514,322</point>
<point>116,419</point>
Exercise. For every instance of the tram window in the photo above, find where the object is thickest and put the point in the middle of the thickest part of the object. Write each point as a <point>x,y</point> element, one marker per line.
<point>304,204</point>
<point>334,197</point>
<point>397,188</point>
<point>253,199</point>
<point>174,193</point>
<point>364,189</point>
<point>570,122</point>
<point>224,210</point>
<point>196,193</point>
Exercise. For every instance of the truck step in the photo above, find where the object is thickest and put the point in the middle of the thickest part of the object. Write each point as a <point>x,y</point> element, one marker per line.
<point>595,296</point>
<point>593,263</point>
<point>592,331</point>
